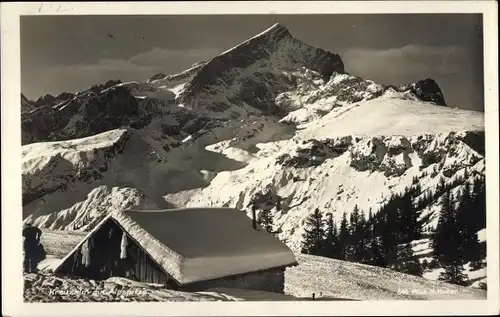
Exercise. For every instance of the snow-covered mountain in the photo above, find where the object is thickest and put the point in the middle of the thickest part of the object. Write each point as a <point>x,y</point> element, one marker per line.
<point>272,118</point>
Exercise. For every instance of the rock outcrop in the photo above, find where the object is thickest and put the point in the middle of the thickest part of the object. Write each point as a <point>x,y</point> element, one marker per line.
<point>428,90</point>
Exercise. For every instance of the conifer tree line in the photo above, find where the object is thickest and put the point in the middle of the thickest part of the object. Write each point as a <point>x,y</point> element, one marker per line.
<point>455,240</point>
<point>383,238</point>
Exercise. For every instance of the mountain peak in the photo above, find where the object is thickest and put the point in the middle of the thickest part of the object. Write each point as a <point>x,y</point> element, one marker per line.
<point>269,37</point>
<point>428,90</point>
<point>24,98</point>
<point>276,26</point>
<point>270,52</point>
<point>276,30</point>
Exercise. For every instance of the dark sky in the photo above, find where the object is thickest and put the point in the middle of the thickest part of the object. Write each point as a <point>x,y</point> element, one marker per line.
<point>71,53</point>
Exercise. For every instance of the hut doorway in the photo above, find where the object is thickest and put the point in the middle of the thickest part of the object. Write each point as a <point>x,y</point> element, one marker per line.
<point>100,254</point>
<point>104,254</point>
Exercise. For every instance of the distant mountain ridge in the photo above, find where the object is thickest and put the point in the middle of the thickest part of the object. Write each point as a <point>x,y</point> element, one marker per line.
<point>245,80</point>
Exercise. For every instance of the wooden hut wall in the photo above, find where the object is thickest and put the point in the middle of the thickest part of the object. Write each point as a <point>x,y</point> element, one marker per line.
<point>271,280</point>
<point>142,268</point>
<point>100,257</point>
<point>105,262</point>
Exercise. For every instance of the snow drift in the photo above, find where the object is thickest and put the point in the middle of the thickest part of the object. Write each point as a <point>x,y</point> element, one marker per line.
<point>339,279</point>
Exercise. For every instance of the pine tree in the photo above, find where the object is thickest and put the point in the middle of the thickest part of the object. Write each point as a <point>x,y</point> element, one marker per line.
<point>479,202</point>
<point>266,220</point>
<point>443,229</point>
<point>446,243</point>
<point>354,217</point>
<point>416,225</point>
<point>453,273</point>
<point>354,251</point>
<point>474,255</point>
<point>390,234</point>
<point>331,242</point>
<point>375,253</point>
<point>424,200</point>
<point>378,222</point>
<point>313,234</point>
<point>480,208</point>
<point>465,176</point>
<point>469,244</point>
<point>335,241</point>
<point>470,216</point>
<point>406,215</point>
<point>407,262</point>
<point>363,237</point>
<point>343,237</point>
<point>425,264</point>
<point>441,187</point>
<point>414,180</point>
<point>417,190</point>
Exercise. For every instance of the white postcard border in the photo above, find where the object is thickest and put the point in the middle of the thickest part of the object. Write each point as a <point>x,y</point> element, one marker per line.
<point>12,301</point>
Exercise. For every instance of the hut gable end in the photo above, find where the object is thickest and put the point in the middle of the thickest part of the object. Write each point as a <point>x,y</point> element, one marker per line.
<point>182,247</point>
<point>104,258</point>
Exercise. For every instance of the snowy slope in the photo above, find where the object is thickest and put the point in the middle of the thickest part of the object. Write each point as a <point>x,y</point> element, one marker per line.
<point>340,279</point>
<point>73,184</point>
<point>423,250</point>
<point>271,116</point>
<point>58,243</point>
<point>328,279</point>
<point>315,97</point>
<point>46,166</point>
<point>393,116</point>
<point>50,288</point>
<point>335,175</point>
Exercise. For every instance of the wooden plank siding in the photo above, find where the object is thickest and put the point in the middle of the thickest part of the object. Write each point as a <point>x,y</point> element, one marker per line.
<point>105,259</point>
<point>271,280</point>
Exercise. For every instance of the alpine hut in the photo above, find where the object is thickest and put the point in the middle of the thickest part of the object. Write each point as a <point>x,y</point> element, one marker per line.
<point>184,249</point>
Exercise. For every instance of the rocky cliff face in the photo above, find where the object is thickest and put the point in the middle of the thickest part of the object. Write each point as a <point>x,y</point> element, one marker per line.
<point>390,155</point>
<point>253,72</point>
<point>99,109</point>
<point>428,90</point>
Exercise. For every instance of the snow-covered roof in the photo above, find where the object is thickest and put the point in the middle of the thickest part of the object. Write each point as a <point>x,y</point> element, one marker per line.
<point>197,244</point>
